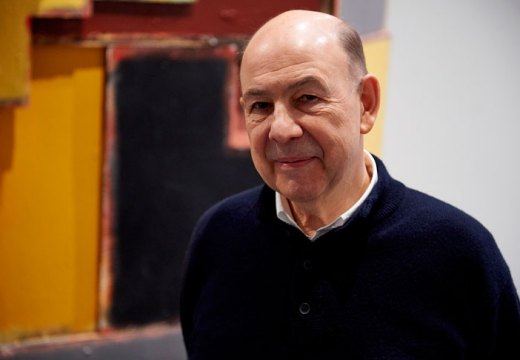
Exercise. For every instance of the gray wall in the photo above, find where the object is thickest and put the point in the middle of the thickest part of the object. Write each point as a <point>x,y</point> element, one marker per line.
<point>452,124</point>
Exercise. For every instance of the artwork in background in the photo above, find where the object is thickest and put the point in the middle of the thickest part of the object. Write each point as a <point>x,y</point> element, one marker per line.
<point>157,1</point>
<point>170,159</point>
<point>50,166</point>
<point>15,66</point>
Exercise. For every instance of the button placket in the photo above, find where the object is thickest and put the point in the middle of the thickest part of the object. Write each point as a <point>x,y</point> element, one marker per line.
<point>307,281</point>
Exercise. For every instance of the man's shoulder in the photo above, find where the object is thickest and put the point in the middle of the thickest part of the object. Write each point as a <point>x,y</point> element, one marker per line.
<point>240,201</point>
<point>236,208</point>
<point>428,214</point>
<point>422,203</point>
<point>409,210</point>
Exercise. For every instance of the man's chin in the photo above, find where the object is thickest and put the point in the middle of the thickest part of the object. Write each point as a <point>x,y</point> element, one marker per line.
<point>299,193</point>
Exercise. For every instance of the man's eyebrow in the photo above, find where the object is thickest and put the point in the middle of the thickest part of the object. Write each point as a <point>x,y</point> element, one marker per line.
<point>307,80</point>
<point>254,92</point>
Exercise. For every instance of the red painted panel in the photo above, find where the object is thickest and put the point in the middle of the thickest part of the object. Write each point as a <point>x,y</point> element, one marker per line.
<point>214,17</point>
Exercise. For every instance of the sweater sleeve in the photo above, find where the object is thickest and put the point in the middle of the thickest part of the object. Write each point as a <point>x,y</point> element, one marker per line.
<point>193,278</point>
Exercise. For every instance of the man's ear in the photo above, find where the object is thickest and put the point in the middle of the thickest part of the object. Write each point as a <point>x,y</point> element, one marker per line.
<point>370,99</point>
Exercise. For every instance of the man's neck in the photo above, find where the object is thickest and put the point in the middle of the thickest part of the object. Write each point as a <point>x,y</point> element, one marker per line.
<point>312,215</point>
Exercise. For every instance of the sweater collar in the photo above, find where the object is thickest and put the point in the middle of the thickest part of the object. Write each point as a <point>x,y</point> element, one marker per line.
<point>384,198</point>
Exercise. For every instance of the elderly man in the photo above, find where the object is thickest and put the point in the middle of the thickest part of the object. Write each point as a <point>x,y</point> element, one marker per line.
<point>332,258</point>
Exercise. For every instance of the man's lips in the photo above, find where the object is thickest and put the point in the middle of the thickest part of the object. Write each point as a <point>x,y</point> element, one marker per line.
<point>293,162</point>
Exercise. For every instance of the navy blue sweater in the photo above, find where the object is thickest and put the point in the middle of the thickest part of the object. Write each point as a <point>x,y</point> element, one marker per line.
<point>408,277</point>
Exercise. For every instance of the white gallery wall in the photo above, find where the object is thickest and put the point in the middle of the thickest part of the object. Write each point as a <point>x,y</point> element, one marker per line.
<point>452,119</point>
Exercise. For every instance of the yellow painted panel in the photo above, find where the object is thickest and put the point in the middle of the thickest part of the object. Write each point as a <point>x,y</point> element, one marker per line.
<point>14,58</point>
<point>52,5</point>
<point>15,40</point>
<point>377,56</point>
<point>50,163</point>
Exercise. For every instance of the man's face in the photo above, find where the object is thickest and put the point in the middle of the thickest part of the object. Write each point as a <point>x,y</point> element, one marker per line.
<point>302,113</point>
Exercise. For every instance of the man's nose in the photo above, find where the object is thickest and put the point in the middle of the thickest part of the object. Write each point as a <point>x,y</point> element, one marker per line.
<point>284,126</point>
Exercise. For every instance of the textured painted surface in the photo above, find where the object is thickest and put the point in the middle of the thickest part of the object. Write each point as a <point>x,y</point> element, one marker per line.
<point>204,17</point>
<point>14,61</point>
<point>157,1</point>
<point>161,99</point>
<point>50,155</point>
<point>15,40</point>
<point>53,6</point>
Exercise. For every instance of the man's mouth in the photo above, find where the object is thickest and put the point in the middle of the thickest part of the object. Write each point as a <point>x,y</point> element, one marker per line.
<point>293,162</point>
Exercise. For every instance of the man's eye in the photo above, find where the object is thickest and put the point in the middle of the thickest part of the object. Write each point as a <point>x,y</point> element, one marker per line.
<point>260,106</point>
<point>307,98</point>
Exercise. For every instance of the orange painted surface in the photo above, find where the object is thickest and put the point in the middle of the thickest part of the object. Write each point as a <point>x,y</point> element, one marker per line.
<point>50,170</point>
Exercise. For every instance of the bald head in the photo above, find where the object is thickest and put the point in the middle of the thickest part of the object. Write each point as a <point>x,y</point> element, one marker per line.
<point>299,23</point>
<point>308,30</point>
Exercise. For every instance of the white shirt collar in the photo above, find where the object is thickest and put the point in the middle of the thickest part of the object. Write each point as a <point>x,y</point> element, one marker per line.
<point>284,214</point>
